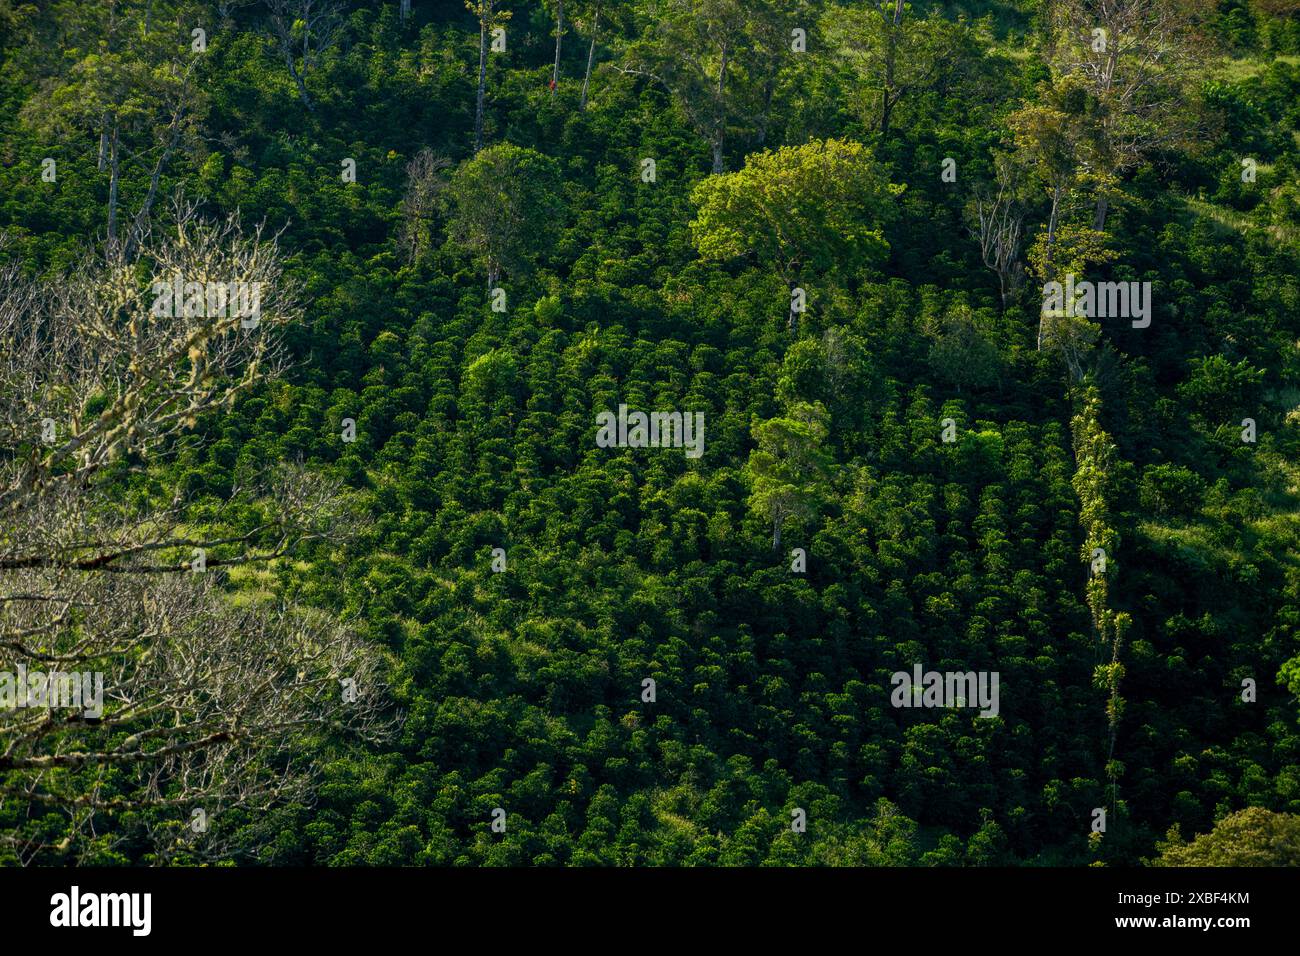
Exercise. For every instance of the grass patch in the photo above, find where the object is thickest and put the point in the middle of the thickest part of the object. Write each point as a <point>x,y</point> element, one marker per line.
<point>1240,69</point>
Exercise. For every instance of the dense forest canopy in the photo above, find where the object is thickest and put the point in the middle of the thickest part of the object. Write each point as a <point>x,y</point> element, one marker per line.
<point>973,334</point>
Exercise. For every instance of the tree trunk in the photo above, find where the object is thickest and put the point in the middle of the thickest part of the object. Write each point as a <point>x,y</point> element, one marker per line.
<point>298,81</point>
<point>1049,269</point>
<point>776,535</point>
<point>887,98</point>
<point>591,56</point>
<point>1107,82</point>
<point>769,90</point>
<point>142,217</point>
<point>482,81</point>
<point>719,116</point>
<point>114,176</point>
<point>559,33</point>
<point>1099,218</point>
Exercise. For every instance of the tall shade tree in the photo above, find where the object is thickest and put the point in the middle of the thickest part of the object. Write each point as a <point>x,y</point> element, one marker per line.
<point>602,22</point>
<point>127,75</point>
<point>893,54</point>
<point>696,49</point>
<point>787,471</point>
<point>1139,61</point>
<point>801,210</point>
<point>771,23</point>
<point>1051,147</point>
<point>504,204</point>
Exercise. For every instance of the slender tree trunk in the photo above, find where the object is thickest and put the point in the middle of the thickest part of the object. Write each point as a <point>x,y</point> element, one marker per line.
<point>887,98</point>
<point>114,160</point>
<point>559,33</point>
<point>789,273</point>
<point>591,57</point>
<point>1049,264</point>
<point>1049,268</point>
<point>482,80</point>
<point>769,90</point>
<point>776,535</point>
<point>1107,82</point>
<point>719,116</point>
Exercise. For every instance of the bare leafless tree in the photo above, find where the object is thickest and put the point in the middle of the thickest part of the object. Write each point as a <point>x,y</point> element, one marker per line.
<point>997,220</point>
<point>426,181</point>
<point>211,695</point>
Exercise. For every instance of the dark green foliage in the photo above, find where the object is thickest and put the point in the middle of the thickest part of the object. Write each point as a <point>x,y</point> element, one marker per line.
<point>475,431</point>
